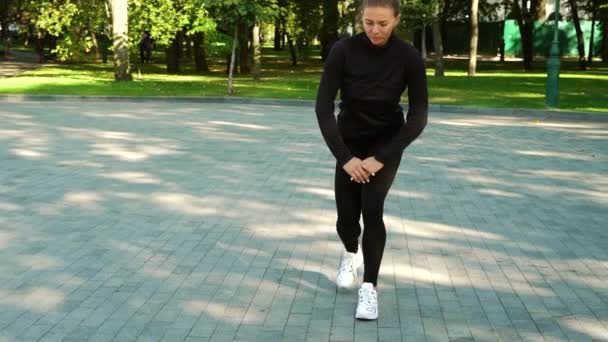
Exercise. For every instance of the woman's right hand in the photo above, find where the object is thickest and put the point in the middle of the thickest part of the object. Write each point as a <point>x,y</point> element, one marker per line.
<point>355,169</point>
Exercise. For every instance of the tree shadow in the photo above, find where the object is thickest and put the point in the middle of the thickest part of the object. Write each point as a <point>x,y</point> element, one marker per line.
<point>162,220</point>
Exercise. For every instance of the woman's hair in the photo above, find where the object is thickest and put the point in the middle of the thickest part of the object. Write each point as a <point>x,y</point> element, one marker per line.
<point>394,4</point>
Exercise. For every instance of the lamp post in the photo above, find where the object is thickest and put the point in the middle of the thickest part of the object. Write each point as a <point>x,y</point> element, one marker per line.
<point>553,64</point>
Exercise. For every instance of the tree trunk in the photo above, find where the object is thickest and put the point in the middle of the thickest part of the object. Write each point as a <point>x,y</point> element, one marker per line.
<point>592,38</point>
<point>528,45</point>
<point>96,47</point>
<point>232,59</point>
<point>501,47</point>
<point>526,31</point>
<point>605,41</point>
<point>438,44</point>
<point>329,30</point>
<point>279,26</point>
<point>120,33</point>
<point>173,54</point>
<point>502,31</point>
<point>540,9</point>
<point>423,42</point>
<point>200,55</point>
<point>257,52</point>
<point>474,37</point>
<point>357,23</point>
<point>277,34</point>
<point>292,50</point>
<point>244,48</point>
<point>5,14</point>
<point>4,37</point>
<point>180,45</point>
<point>579,35</point>
<point>188,43</point>
<point>443,16</point>
<point>39,42</point>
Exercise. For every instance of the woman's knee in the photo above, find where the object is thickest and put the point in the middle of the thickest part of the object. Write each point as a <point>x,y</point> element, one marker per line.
<point>373,216</point>
<point>347,223</point>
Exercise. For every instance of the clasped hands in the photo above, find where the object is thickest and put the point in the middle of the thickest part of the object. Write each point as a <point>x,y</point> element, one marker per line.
<point>360,170</point>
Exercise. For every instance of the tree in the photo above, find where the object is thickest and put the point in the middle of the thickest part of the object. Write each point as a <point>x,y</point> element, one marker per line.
<point>241,14</point>
<point>604,16</point>
<point>599,14</point>
<point>257,52</point>
<point>438,46</point>
<point>460,10</point>
<point>120,34</point>
<point>70,26</point>
<point>279,26</point>
<point>200,54</point>
<point>231,73</point>
<point>416,14</point>
<point>300,25</point>
<point>474,37</point>
<point>7,8</point>
<point>593,9</point>
<point>329,30</point>
<point>438,41</point>
<point>526,15</point>
<point>199,27</point>
<point>579,34</point>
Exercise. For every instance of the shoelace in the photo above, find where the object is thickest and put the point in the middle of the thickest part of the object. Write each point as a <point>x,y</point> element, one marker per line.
<point>346,264</point>
<point>367,296</point>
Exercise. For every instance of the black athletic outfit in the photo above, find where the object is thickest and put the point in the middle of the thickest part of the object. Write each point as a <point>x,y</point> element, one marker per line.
<point>371,81</point>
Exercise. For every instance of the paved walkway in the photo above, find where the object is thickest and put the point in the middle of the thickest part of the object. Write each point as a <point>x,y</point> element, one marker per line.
<point>17,63</point>
<point>181,222</point>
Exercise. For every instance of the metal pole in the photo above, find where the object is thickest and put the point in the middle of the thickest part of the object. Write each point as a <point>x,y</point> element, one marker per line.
<point>553,64</point>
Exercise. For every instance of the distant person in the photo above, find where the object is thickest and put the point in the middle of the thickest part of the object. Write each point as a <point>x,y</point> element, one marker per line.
<point>371,70</point>
<point>145,48</point>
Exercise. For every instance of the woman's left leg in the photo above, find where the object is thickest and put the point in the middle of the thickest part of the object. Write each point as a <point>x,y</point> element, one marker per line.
<point>373,195</point>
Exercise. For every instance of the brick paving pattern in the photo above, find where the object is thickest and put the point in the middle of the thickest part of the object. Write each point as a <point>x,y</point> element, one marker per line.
<point>215,222</point>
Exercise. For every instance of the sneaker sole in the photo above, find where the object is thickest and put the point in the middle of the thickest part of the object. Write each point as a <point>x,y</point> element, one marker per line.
<point>346,288</point>
<point>366,318</point>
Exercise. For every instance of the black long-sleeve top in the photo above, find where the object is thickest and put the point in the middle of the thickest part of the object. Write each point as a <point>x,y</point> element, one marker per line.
<point>371,81</point>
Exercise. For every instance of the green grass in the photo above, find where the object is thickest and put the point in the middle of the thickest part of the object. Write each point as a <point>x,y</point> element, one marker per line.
<point>496,84</point>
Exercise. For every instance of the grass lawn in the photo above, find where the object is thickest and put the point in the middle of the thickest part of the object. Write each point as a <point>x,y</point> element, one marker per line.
<point>496,84</point>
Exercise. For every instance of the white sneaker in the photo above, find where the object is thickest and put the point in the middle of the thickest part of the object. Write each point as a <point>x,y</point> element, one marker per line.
<point>347,273</point>
<point>367,308</point>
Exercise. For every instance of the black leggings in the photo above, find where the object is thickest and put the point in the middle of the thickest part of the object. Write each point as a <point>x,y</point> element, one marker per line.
<point>354,199</point>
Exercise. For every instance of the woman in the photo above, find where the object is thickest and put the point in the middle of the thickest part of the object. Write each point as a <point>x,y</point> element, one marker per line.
<point>371,70</point>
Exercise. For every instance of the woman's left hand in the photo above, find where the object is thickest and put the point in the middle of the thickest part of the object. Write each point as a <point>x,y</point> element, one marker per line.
<point>372,166</point>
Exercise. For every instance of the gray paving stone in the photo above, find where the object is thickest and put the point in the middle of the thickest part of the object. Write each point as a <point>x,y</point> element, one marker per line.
<point>144,221</point>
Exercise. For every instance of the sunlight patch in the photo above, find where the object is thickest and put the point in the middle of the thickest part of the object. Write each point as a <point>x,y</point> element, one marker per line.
<point>28,154</point>
<point>585,325</point>
<point>553,154</point>
<point>83,199</point>
<point>133,177</point>
<point>38,299</point>
<point>39,262</point>
<point>6,238</point>
<point>240,125</point>
<point>501,193</point>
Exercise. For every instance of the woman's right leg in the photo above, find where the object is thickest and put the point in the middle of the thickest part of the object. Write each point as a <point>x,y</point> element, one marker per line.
<point>348,204</point>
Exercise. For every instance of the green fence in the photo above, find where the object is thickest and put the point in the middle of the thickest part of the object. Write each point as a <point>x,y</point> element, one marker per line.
<point>543,36</point>
<point>456,38</point>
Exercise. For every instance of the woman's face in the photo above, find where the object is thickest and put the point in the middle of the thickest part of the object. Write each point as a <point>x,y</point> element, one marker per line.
<point>379,22</point>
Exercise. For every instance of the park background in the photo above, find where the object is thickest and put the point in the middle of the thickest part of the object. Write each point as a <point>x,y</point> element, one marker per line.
<point>498,60</point>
